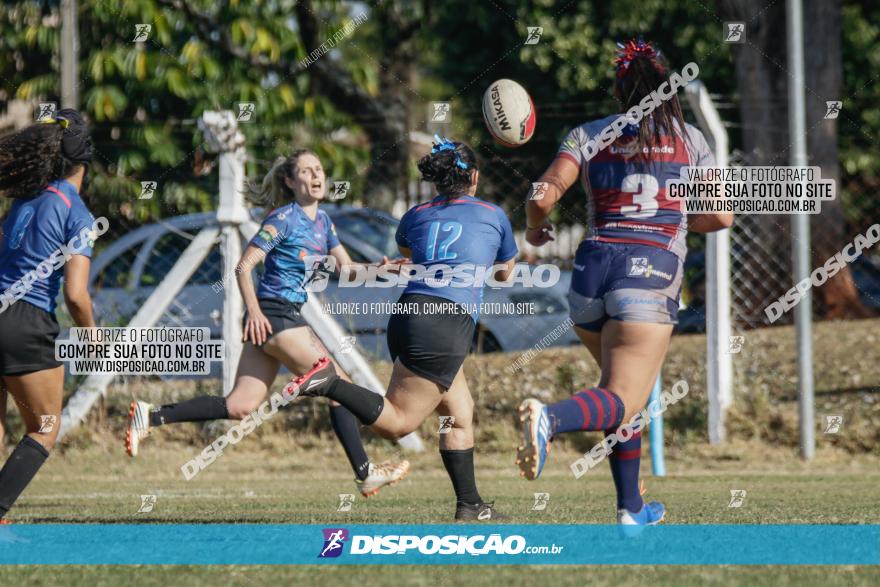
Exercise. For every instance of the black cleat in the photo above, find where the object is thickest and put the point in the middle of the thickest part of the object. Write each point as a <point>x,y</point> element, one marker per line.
<point>482,512</point>
<point>315,382</point>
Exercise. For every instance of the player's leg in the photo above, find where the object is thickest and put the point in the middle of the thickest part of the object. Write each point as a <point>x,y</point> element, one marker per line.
<point>38,396</point>
<point>256,372</point>
<point>633,354</point>
<point>298,349</point>
<point>457,452</point>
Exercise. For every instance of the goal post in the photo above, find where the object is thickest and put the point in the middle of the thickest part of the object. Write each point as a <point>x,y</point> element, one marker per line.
<point>719,363</point>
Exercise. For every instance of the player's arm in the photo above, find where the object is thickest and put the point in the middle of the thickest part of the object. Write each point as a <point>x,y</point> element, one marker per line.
<point>710,222</point>
<point>257,327</point>
<point>560,176</point>
<point>504,270</point>
<point>76,290</point>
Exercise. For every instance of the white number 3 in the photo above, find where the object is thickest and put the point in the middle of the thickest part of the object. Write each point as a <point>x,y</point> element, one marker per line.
<point>644,188</point>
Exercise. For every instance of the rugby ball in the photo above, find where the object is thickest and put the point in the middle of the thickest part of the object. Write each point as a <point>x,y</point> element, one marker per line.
<point>509,113</point>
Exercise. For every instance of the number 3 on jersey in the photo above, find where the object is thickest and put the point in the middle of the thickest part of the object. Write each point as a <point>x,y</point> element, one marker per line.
<point>644,188</point>
<point>442,253</point>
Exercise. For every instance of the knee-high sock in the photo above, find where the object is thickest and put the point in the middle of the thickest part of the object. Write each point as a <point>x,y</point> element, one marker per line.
<point>625,459</point>
<point>19,470</point>
<point>460,467</point>
<point>363,403</point>
<point>347,430</point>
<point>589,409</point>
<point>197,409</point>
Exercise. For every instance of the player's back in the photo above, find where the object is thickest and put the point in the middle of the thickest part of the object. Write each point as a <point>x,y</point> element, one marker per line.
<point>455,232</point>
<point>626,190</point>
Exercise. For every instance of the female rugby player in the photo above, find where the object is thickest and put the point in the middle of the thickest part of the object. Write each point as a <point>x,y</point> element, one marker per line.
<point>431,335</point>
<point>627,275</point>
<point>275,333</point>
<point>42,167</point>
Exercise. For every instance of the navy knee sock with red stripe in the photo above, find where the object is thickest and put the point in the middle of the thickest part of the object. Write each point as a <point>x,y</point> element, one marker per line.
<point>588,409</point>
<point>625,459</point>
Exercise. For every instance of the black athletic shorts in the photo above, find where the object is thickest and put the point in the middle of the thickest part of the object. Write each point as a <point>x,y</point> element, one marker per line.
<point>27,339</point>
<point>281,314</point>
<point>433,339</point>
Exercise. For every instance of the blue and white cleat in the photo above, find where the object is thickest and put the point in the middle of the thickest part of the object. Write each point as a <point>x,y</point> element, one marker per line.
<point>651,514</point>
<point>532,452</point>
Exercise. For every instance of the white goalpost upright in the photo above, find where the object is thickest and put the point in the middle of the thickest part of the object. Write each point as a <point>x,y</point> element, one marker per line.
<point>719,363</point>
<point>220,129</point>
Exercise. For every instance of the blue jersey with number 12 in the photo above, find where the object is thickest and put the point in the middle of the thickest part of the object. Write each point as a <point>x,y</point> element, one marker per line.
<point>459,231</point>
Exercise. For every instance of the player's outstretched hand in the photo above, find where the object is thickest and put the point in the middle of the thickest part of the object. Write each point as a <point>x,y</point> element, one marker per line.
<point>540,235</point>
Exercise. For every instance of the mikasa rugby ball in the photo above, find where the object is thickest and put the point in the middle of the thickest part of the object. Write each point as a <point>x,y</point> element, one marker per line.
<point>509,113</point>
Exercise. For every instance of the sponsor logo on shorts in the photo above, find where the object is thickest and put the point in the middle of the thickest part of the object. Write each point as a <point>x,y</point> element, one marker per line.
<point>639,267</point>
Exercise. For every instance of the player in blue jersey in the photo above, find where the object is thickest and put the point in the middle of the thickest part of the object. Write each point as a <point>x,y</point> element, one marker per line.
<point>627,274</point>
<point>432,331</point>
<point>48,233</point>
<point>275,333</point>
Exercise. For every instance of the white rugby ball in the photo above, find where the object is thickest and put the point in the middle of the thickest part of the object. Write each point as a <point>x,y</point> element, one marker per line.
<point>509,113</point>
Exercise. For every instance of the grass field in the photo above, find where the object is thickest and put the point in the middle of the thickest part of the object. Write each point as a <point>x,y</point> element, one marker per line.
<point>292,471</point>
<point>287,485</point>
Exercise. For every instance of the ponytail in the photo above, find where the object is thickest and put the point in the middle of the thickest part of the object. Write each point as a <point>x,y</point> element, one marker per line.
<point>641,69</point>
<point>273,190</point>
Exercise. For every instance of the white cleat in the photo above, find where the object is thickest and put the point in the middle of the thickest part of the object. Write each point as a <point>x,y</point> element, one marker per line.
<point>138,426</point>
<point>378,476</point>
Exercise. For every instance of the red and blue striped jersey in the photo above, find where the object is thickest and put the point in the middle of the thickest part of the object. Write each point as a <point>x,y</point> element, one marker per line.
<point>626,195</point>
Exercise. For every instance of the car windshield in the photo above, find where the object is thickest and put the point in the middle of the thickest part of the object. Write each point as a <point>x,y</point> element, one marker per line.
<point>373,229</point>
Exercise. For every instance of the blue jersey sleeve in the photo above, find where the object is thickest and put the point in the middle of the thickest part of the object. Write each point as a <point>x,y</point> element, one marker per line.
<point>79,230</point>
<point>332,237</point>
<point>274,229</point>
<point>508,249</point>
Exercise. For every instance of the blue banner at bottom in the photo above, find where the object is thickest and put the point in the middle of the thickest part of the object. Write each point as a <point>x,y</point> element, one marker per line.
<point>277,544</point>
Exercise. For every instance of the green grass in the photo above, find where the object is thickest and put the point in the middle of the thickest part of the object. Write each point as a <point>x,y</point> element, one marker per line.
<point>285,484</point>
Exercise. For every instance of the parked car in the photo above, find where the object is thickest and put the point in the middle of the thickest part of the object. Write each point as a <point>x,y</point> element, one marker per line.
<point>125,274</point>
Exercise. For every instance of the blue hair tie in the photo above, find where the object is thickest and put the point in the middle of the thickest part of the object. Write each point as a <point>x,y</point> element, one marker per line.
<point>444,144</point>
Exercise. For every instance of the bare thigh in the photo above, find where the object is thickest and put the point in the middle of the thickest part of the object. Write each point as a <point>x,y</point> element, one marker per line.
<point>256,372</point>
<point>458,403</point>
<point>632,354</point>
<point>593,342</point>
<point>39,395</point>
<point>410,399</point>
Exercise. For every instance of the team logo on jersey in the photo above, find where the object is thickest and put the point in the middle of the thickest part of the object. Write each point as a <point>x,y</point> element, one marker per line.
<point>334,540</point>
<point>639,267</point>
<point>268,233</point>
